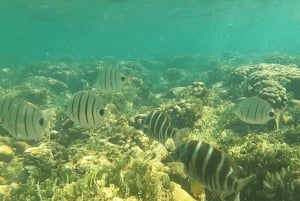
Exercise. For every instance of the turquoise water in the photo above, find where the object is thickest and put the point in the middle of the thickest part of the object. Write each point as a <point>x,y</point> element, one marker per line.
<point>90,90</point>
<point>34,30</point>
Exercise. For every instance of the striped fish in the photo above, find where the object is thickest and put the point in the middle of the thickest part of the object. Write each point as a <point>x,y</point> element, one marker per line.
<point>255,110</point>
<point>157,126</point>
<point>85,109</point>
<point>110,80</point>
<point>23,120</point>
<point>211,168</point>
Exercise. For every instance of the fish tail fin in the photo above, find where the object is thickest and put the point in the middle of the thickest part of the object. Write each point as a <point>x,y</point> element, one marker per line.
<point>244,181</point>
<point>180,134</point>
<point>241,184</point>
<point>237,197</point>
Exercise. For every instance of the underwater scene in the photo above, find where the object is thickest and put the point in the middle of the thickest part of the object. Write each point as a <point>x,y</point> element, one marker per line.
<point>126,100</point>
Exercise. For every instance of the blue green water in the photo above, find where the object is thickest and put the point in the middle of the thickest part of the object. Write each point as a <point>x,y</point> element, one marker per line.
<point>34,30</point>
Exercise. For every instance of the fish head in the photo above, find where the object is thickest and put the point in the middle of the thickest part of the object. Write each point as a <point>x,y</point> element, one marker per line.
<point>45,118</point>
<point>101,111</point>
<point>271,114</point>
<point>123,78</point>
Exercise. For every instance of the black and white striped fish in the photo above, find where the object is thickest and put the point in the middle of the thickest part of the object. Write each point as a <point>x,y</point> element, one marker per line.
<point>85,109</point>
<point>255,110</point>
<point>23,120</point>
<point>157,126</point>
<point>210,168</point>
<point>110,80</point>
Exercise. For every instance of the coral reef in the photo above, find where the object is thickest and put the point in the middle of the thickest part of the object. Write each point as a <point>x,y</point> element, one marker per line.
<point>117,162</point>
<point>271,82</point>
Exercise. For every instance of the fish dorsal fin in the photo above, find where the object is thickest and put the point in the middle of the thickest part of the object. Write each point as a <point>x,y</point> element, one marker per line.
<point>241,99</point>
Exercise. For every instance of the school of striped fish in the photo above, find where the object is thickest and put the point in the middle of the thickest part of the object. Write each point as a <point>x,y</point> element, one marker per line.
<point>202,162</point>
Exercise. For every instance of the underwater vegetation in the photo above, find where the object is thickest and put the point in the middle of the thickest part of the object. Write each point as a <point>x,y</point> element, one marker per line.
<point>115,160</point>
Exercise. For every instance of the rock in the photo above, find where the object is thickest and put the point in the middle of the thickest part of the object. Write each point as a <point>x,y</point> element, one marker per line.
<point>6,153</point>
<point>180,194</point>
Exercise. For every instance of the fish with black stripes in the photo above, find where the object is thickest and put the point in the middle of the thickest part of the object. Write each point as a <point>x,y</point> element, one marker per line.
<point>254,110</point>
<point>86,109</point>
<point>24,120</point>
<point>157,126</point>
<point>211,168</point>
<point>110,80</point>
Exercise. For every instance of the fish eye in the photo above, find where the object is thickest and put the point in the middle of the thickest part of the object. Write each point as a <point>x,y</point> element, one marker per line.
<point>271,114</point>
<point>101,112</point>
<point>41,121</point>
<point>123,78</point>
